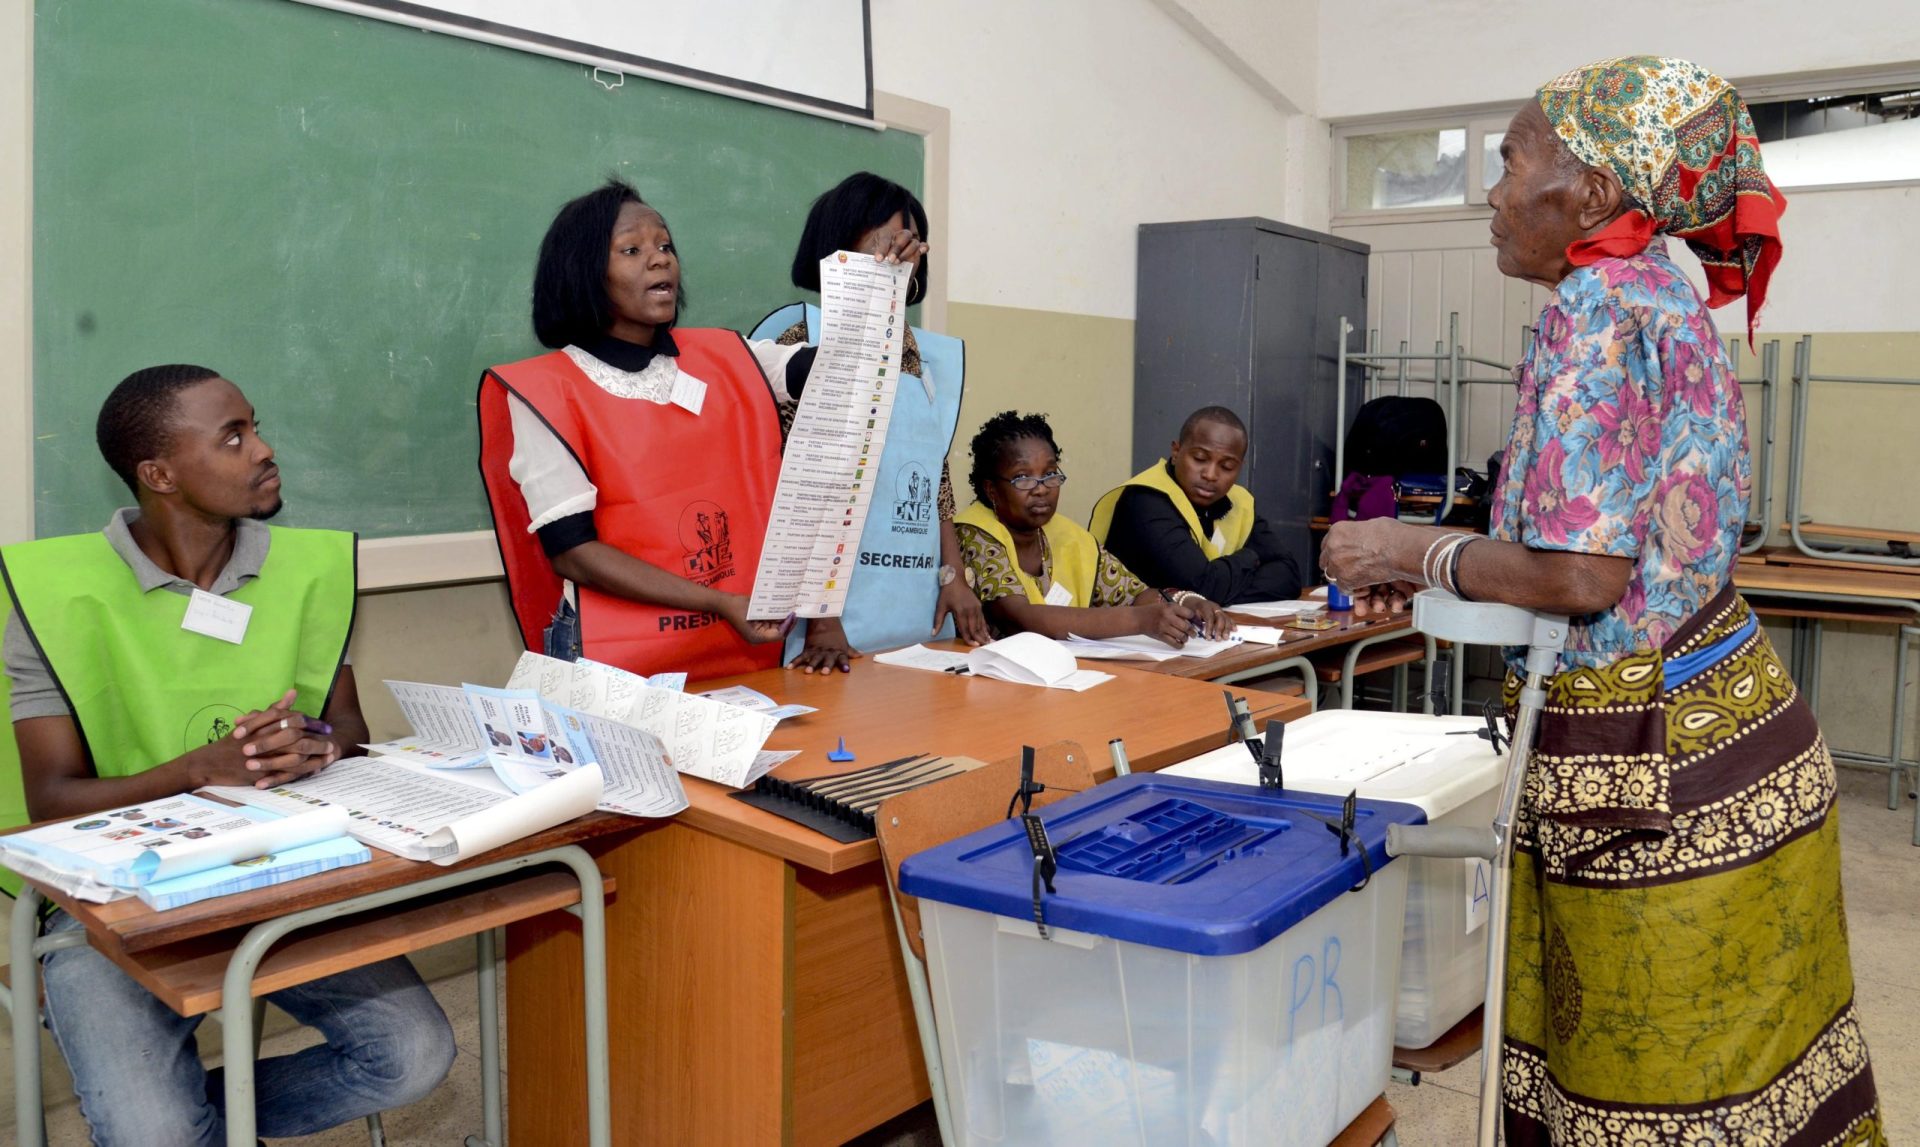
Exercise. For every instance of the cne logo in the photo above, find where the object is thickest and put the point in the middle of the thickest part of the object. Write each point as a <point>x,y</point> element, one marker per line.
<point>708,541</point>
<point>843,256</point>
<point>208,725</point>
<point>913,499</point>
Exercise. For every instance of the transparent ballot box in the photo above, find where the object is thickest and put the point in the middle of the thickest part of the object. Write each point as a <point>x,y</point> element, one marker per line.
<point>1209,974</point>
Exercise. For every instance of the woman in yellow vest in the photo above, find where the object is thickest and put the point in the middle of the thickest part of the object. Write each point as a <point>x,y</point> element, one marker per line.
<point>1039,572</point>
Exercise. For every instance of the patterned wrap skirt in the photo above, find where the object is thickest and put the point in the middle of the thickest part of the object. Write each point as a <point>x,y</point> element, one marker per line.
<point>1678,968</point>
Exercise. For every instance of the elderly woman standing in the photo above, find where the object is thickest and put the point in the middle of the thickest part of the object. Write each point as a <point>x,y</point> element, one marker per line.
<point>1679,970</point>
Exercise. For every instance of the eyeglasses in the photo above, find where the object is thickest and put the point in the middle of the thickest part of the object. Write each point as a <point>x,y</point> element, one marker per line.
<point>1025,483</point>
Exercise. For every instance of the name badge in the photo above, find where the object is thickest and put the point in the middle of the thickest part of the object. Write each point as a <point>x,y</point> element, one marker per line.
<point>689,393</point>
<point>1219,539</point>
<point>1058,594</point>
<point>216,616</point>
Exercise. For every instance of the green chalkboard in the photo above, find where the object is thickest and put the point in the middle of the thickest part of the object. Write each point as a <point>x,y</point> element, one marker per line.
<point>342,215</point>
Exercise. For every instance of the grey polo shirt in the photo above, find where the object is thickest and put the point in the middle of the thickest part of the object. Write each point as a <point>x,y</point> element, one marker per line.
<point>34,692</point>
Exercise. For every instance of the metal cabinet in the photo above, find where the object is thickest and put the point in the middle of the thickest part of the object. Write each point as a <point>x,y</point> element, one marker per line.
<point>1244,313</point>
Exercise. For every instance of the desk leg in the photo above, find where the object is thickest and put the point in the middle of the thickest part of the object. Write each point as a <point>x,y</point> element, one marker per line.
<point>700,939</point>
<point>486,967</point>
<point>29,1119</point>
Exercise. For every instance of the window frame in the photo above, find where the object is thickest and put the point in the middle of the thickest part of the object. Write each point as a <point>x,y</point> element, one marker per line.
<point>1476,125</point>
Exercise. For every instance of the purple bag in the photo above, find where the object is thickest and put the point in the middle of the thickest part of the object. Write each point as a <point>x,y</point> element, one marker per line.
<point>1364,496</point>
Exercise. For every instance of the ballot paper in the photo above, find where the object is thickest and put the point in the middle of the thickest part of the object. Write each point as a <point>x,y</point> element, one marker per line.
<point>832,456</point>
<point>757,701</point>
<point>116,853</point>
<point>1275,608</point>
<point>423,813</point>
<point>527,741</point>
<point>1031,659</point>
<point>701,737</point>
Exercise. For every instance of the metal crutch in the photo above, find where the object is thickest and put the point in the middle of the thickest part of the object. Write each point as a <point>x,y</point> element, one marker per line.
<point>1441,615</point>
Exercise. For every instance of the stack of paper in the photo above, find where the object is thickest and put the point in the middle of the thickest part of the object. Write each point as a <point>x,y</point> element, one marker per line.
<point>1277,608</point>
<point>527,741</point>
<point>1030,659</point>
<point>180,849</point>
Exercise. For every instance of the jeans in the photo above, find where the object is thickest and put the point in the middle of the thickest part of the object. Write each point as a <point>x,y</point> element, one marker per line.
<point>139,1077</point>
<point>562,638</point>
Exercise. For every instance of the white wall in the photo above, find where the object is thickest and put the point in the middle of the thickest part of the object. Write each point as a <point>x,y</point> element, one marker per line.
<point>1852,262</point>
<point>1380,56</point>
<point>1072,123</point>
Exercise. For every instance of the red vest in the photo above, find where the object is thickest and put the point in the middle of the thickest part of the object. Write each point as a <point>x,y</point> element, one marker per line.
<point>687,493</point>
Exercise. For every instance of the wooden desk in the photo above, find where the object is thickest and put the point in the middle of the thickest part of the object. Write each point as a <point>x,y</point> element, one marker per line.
<point>221,952</point>
<point>754,970</point>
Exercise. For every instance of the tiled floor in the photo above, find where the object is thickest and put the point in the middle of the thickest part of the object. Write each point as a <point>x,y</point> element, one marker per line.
<point>1882,872</point>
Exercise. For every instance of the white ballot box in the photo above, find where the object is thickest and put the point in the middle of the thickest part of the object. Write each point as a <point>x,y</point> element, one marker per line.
<point>1433,762</point>
<point>1208,974</point>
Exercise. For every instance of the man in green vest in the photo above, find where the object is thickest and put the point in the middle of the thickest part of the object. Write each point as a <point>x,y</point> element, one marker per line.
<point>1183,522</point>
<point>191,644</point>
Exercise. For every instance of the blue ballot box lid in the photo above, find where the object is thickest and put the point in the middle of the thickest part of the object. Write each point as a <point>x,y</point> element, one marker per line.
<point>1202,867</point>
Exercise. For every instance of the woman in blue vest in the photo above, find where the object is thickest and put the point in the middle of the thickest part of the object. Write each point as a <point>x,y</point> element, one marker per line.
<point>907,585</point>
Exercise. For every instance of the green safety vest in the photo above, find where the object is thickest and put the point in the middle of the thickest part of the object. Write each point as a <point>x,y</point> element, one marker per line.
<point>143,690</point>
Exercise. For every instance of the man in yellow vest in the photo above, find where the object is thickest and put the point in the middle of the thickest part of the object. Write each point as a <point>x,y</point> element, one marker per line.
<point>186,645</point>
<point>1184,523</point>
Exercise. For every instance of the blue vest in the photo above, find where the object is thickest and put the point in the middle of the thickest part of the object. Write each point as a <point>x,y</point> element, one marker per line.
<point>896,580</point>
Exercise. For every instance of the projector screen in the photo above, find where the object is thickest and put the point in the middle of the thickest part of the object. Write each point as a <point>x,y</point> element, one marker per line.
<point>814,56</point>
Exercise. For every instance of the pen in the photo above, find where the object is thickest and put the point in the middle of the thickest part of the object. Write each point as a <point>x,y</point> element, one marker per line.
<point>958,670</point>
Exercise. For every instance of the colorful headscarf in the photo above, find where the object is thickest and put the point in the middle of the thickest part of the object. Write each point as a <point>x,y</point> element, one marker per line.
<point>1682,143</point>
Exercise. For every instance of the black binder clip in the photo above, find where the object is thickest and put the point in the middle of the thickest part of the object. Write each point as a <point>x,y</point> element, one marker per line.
<point>1266,756</point>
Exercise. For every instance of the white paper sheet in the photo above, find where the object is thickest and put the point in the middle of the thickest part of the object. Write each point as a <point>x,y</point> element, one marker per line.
<point>756,701</point>
<point>1274,608</point>
<point>921,657</point>
<point>832,455</point>
<point>1097,649</point>
<point>1137,647</point>
<point>702,737</point>
<point>444,732</point>
<point>1261,634</point>
<point>1030,659</point>
<point>428,814</point>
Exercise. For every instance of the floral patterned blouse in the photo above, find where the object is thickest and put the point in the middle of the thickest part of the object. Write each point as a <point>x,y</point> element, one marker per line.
<point>994,574</point>
<point>1629,439</point>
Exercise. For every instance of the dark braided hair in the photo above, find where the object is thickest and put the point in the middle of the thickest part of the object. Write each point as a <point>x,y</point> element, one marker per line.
<point>1000,432</point>
<point>136,421</point>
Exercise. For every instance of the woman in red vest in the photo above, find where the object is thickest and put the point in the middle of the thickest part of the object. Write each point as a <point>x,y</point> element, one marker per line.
<point>632,468</point>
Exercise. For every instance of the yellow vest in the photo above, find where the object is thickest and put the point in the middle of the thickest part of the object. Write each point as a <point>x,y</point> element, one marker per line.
<point>1075,555</point>
<point>1235,526</point>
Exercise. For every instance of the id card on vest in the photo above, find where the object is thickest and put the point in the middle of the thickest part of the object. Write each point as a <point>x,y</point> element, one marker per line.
<point>829,471</point>
<point>217,616</point>
<point>1058,594</point>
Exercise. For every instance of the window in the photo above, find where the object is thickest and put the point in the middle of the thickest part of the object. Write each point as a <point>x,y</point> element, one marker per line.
<point>1865,137</point>
<point>1408,168</point>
